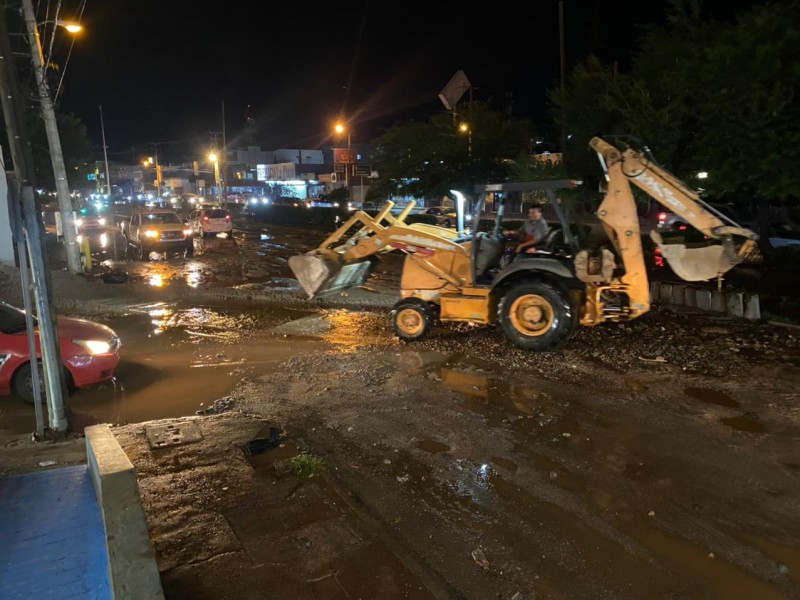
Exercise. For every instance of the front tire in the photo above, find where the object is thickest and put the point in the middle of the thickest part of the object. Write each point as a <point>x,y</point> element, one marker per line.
<point>411,319</point>
<point>22,383</point>
<point>536,316</point>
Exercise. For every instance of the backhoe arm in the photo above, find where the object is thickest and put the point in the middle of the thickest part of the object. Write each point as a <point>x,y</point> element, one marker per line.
<point>617,212</point>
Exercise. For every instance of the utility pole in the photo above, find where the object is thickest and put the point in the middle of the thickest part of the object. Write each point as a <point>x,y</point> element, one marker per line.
<point>22,155</point>
<point>105,151</point>
<point>53,141</point>
<point>224,155</point>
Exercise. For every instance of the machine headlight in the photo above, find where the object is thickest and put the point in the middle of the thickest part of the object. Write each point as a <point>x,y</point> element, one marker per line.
<point>93,346</point>
<point>151,234</point>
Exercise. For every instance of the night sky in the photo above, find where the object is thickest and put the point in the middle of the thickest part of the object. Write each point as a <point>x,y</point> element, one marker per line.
<point>163,70</point>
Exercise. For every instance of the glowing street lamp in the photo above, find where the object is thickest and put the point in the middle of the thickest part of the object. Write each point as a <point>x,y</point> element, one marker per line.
<point>340,129</point>
<point>69,26</point>
<point>465,128</point>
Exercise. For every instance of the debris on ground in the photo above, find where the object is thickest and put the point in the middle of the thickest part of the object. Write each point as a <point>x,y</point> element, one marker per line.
<point>220,405</point>
<point>479,556</point>
<point>262,443</point>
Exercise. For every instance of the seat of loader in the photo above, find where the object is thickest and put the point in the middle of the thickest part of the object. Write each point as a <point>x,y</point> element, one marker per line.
<point>486,254</point>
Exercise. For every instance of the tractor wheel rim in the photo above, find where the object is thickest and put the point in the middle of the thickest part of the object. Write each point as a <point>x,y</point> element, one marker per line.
<point>410,321</point>
<point>532,315</point>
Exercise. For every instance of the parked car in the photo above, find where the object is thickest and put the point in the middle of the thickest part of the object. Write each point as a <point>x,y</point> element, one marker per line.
<point>210,221</point>
<point>157,230</point>
<point>782,235</point>
<point>89,351</point>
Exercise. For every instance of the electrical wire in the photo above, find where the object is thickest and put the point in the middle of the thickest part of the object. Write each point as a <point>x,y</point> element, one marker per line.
<point>69,52</point>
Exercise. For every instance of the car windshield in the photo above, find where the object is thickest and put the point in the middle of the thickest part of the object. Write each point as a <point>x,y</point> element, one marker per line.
<point>160,218</point>
<point>12,319</point>
<point>216,213</point>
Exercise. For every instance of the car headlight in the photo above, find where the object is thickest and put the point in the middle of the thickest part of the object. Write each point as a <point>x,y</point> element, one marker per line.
<point>102,222</point>
<point>187,232</point>
<point>93,346</point>
<point>151,234</point>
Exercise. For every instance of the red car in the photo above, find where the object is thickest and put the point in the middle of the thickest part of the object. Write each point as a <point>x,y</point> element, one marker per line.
<point>89,351</point>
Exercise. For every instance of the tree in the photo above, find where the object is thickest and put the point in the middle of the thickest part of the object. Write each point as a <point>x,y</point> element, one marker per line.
<point>428,159</point>
<point>703,95</point>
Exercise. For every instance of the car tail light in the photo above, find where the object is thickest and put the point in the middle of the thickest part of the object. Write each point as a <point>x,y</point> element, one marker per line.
<point>662,216</point>
<point>206,219</point>
<point>682,227</point>
<point>227,217</point>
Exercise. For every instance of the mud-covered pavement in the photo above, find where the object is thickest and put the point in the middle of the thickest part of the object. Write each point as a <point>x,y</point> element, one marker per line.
<point>654,459</point>
<point>624,466</point>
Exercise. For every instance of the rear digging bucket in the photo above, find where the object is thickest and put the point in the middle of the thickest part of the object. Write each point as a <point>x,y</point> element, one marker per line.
<point>696,264</point>
<point>319,275</point>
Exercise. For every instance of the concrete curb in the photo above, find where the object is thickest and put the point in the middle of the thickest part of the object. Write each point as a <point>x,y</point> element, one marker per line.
<point>133,571</point>
<point>727,302</point>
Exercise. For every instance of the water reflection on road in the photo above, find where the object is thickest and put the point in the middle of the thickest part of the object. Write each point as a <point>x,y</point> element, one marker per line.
<point>175,360</point>
<point>254,253</point>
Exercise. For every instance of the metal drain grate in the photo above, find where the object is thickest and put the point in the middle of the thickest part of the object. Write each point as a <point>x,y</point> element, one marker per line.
<point>174,434</point>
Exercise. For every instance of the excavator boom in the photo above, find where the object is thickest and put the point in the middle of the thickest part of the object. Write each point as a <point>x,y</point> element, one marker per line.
<point>623,167</point>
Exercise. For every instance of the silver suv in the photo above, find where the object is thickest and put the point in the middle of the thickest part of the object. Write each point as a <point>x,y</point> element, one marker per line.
<point>157,230</point>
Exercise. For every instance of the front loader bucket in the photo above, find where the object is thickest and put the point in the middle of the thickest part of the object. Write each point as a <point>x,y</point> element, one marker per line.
<point>319,275</point>
<point>696,264</point>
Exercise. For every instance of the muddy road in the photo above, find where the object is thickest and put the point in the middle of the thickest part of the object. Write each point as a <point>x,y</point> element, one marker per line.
<point>655,459</point>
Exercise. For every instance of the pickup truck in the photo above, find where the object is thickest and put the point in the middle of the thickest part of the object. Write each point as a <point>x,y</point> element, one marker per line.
<point>157,230</point>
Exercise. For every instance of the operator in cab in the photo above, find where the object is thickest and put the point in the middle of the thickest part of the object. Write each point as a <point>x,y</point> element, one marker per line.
<point>533,231</point>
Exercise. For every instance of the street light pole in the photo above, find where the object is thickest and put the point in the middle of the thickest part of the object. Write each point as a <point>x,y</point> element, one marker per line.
<point>105,151</point>
<point>349,161</point>
<point>53,141</point>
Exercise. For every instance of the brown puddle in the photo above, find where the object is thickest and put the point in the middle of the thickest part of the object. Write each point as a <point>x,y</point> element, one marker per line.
<point>269,457</point>
<point>744,423</point>
<point>508,465</point>
<point>711,396</point>
<point>371,572</point>
<point>788,557</point>
<point>482,392</point>
<point>698,567</point>
<point>431,446</point>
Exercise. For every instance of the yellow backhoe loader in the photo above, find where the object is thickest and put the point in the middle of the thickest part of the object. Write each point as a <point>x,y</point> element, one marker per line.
<point>538,299</point>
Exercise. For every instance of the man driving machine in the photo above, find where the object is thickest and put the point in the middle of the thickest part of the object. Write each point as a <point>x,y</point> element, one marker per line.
<point>532,232</point>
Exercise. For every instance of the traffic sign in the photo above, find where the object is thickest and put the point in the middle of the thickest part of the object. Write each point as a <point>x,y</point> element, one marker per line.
<point>363,170</point>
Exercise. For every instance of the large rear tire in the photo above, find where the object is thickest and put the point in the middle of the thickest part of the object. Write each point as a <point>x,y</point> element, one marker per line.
<point>412,319</point>
<point>536,316</point>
